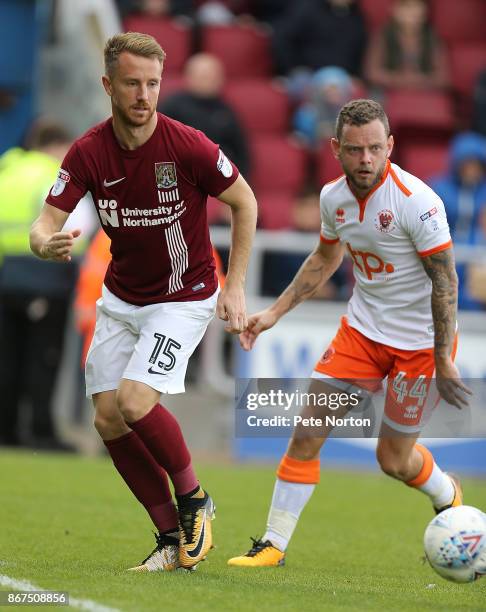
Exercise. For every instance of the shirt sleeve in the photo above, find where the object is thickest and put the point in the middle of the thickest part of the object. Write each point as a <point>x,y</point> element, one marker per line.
<point>213,171</point>
<point>328,228</point>
<point>70,185</point>
<point>426,223</point>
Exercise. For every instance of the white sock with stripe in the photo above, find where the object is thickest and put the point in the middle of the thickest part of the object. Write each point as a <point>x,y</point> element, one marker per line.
<point>288,501</point>
<point>438,487</point>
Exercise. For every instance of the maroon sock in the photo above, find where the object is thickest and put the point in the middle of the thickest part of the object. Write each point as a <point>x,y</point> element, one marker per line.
<point>145,478</point>
<point>161,434</point>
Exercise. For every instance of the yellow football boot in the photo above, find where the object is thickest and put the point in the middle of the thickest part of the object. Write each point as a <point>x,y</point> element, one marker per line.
<point>261,554</point>
<point>164,557</point>
<point>195,516</point>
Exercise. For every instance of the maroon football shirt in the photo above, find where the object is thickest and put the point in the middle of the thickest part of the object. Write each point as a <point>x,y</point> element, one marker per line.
<point>152,204</point>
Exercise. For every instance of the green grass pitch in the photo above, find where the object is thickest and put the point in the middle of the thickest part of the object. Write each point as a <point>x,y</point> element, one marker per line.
<point>69,523</point>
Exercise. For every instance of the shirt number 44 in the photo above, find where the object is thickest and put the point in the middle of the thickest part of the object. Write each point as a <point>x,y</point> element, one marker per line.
<point>417,390</point>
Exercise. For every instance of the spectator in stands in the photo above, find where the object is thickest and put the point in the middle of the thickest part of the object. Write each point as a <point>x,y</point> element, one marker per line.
<point>269,11</point>
<point>317,33</point>
<point>479,111</point>
<point>407,52</point>
<point>201,106</point>
<point>330,88</point>
<point>34,294</point>
<point>463,190</point>
<point>279,268</point>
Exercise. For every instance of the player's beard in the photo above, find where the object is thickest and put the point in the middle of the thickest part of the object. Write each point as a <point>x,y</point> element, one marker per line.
<point>365,185</point>
<point>129,121</point>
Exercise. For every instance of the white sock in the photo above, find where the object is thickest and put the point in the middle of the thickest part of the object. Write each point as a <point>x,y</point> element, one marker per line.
<point>438,487</point>
<point>288,501</point>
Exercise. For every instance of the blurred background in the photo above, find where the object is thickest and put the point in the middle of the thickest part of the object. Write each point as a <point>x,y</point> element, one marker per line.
<point>264,79</point>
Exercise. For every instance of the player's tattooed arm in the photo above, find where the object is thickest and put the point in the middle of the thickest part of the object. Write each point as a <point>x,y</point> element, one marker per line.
<point>442,272</point>
<point>314,272</point>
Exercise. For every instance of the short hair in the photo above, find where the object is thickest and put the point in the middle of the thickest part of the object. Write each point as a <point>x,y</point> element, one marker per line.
<point>136,43</point>
<point>360,112</point>
<point>45,132</point>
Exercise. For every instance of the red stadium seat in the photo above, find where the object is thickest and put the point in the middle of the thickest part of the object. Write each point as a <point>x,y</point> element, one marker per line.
<point>172,35</point>
<point>327,166</point>
<point>262,106</point>
<point>466,62</point>
<point>274,210</point>
<point>375,12</point>
<point>460,20</point>
<point>243,49</point>
<point>424,160</point>
<point>428,110</point>
<point>279,164</point>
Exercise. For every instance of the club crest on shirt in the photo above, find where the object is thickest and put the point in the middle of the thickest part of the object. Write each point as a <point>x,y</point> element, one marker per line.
<point>385,221</point>
<point>62,180</point>
<point>165,175</point>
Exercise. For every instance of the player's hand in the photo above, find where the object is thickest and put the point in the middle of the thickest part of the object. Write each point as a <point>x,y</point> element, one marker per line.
<point>261,321</point>
<point>450,385</point>
<point>59,246</point>
<point>231,307</point>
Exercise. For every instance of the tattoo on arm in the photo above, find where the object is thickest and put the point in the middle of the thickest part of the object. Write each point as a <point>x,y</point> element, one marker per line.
<point>441,270</point>
<point>315,271</point>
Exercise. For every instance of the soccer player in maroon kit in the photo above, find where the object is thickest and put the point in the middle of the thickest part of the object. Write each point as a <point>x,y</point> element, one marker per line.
<point>150,177</point>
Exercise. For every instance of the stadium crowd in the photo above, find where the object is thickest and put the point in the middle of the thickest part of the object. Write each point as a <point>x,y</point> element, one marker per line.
<point>265,79</point>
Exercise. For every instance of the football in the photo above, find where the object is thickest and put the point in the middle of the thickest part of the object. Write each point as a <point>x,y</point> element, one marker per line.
<point>455,544</point>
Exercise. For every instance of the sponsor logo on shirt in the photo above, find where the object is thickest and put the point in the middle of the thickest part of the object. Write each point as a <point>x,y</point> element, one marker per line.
<point>340,216</point>
<point>165,175</point>
<point>369,263</point>
<point>224,165</point>
<point>428,214</point>
<point>385,221</point>
<point>139,217</point>
<point>62,180</point>
<point>108,212</point>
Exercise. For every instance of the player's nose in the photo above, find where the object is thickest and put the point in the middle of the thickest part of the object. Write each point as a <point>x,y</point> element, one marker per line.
<point>366,156</point>
<point>142,93</point>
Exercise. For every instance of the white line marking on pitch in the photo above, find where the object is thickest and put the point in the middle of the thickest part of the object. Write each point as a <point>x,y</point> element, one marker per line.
<point>81,604</point>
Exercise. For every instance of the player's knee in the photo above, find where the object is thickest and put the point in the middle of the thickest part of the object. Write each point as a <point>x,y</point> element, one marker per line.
<point>110,425</point>
<point>392,464</point>
<point>131,405</point>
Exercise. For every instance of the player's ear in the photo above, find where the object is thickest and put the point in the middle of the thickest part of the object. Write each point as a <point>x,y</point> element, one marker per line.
<point>389,144</point>
<point>106,84</point>
<point>335,147</point>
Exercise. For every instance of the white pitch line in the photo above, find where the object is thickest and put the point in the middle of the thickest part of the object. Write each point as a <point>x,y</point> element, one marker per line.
<point>81,604</point>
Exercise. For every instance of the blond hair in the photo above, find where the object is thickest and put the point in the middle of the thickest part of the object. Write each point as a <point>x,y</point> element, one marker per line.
<point>360,112</point>
<point>136,43</point>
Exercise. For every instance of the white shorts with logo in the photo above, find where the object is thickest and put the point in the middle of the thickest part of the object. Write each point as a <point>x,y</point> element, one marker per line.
<point>151,344</point>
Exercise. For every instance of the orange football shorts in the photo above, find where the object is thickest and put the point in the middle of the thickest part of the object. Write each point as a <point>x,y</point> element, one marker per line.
<point>364,363</point>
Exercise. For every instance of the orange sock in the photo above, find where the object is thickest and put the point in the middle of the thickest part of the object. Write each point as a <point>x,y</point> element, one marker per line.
<point>427,467</point>
<point>432,481</point>
<point>295,470</point>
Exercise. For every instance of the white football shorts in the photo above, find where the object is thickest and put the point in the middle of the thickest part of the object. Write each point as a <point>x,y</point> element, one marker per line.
<point>151,344</point>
